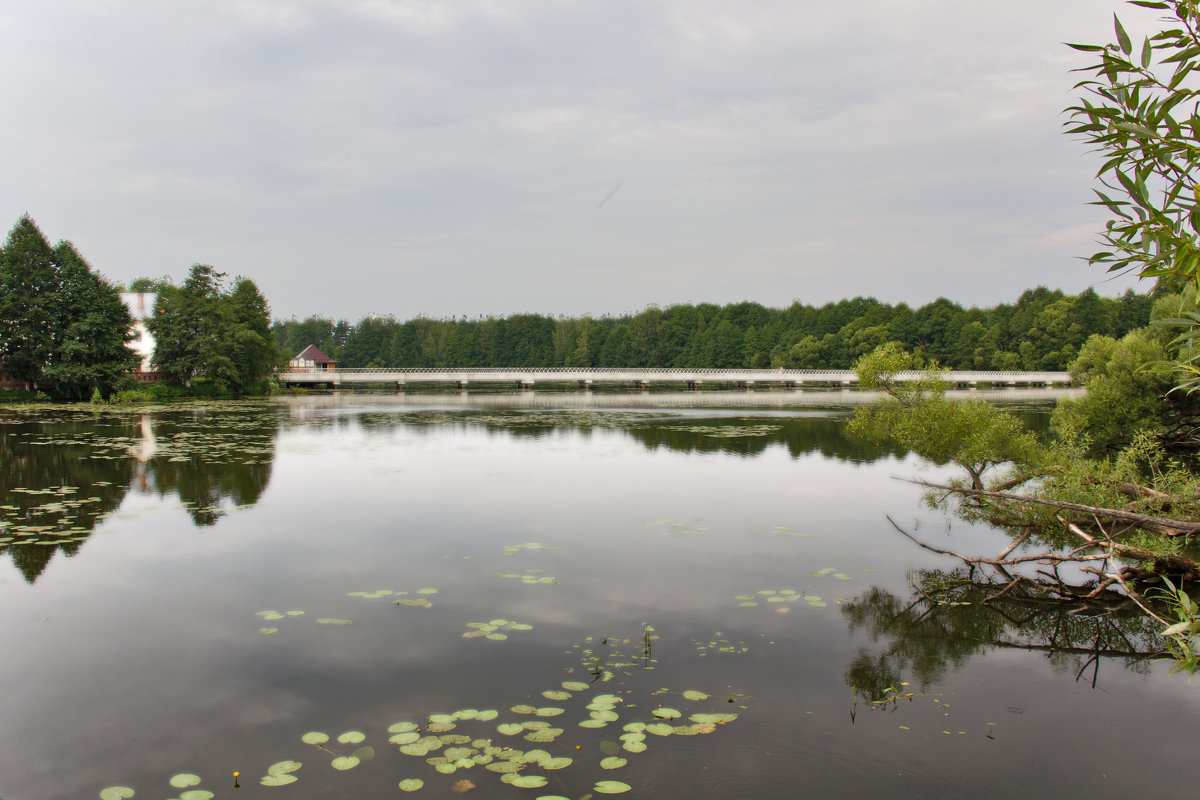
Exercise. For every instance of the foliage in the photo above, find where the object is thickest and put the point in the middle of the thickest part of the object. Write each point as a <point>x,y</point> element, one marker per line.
<point>1184,633</point>
<point>1044,329</point>
<point>972,433</point>
<point>1137,112</point>
<point>60,322</point>
<point>201,331</point>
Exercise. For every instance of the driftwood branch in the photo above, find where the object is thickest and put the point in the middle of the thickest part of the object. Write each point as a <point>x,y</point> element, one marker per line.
<point>1164,525</point>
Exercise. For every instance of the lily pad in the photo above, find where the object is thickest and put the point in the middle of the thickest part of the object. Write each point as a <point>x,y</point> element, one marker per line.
<point>408,737</point>
<point>315,737</point>
<point>575,686</point>
<point>116,793</point>
<point>344,762</point>
<point>554,694</point>
<point>352,737</point>
<point>411,784</point>
<point>185,779</point>
<point>529,781</point>
<point>333,621</point>
<point>198,794</point>
<point>667,713</point>
<point>611,787</point>
<point>613,762</point>
<point>402,727</point>
<point>277,780</point>
<point>278,768</point>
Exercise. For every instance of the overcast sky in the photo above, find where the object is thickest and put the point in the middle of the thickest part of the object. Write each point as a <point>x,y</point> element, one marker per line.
<point>593,156</point>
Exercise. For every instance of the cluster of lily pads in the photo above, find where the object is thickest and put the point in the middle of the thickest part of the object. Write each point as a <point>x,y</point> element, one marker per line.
<point>780,596</point>
<point>530,576</point>
<point>781,530</point>
<point>513,549</point>
<point>677,527</point>
<point>726,431</point>
<point>494,630</point>
<point>183,780</point>
<point>442,743</point>
<point>719,644</point>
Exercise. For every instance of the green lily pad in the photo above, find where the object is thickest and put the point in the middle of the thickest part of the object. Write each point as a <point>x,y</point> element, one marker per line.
<point>280,768</point>
<point>344,762</point>
<point>550,711</point>
<point>523,709</point>
<point>575,686</point>
<point>636,747</point>
<point>185,779</point>
<point>277,780</point>
<point>408,737</point>
<point>197,794</point>
<point>554,694</point>
<point>402,727</point>
<point>510,728</point>
<point>561,762</point>
<point>529,781</point>
<point>611,787</point>
<point>315,737</point>
<point>268,631</point>
<point>352,737</point>
<point>334,621</point>
<point>613,762</point>
<point>411,784</point>
<point>659,729</point>
<point>667,713</point>
<point>717,718</point>
<point>116,793</point>
<point>427,590</point>
<point>487,715</point>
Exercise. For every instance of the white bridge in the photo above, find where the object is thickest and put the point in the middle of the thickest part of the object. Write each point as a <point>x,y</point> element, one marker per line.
<point>642,377</point>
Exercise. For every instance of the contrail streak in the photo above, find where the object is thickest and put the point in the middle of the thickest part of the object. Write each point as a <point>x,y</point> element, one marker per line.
<point>609,196</point>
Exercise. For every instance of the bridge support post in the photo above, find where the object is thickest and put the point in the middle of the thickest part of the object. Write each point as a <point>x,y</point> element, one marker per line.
<point>641,386</point>
<point>585,385</point>
<point>524,385</point>
<point>399,387</point>
<point>694,386</point>
<point>462,385</point>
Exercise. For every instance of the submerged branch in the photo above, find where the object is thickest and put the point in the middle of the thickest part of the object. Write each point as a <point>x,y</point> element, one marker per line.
<point>1164,525</point>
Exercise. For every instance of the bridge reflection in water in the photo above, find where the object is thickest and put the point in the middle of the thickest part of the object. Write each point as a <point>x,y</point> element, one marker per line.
<point>641,378</point>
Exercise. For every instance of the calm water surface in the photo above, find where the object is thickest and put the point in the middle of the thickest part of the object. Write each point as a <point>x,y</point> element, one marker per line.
<point>642,547</point>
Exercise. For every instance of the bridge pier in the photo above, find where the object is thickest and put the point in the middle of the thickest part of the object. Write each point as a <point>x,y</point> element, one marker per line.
<point>585,385</point>
<point>462,385</point>
<point>694,386</point>
<point>524,385</point>
<point>641,386</point>
<point>399,387</point>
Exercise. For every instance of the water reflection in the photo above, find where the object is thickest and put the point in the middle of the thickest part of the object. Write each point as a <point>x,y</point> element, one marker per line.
<point>952,616</point>
<point>53,489</point>
<point>61,473</point>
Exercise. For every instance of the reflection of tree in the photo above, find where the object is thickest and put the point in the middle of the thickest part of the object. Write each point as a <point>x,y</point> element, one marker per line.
<point>957,614</point>
<point>54,485</point>
<point>213,459</point>
<point>748,436</point>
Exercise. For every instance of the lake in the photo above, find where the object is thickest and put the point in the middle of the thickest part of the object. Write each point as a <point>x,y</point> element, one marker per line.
<point>535,595</point>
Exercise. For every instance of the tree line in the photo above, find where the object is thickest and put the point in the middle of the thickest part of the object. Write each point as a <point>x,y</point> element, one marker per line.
<point>1044,330</point>
<point>64,328</point>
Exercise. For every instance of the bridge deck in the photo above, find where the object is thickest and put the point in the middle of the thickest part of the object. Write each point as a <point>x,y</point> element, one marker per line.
<point>645,376</point>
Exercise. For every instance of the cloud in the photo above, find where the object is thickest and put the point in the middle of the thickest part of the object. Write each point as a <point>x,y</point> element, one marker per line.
<point>448,157</point>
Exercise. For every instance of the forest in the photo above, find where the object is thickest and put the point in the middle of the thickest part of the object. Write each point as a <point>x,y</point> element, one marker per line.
<point>1043,330</point>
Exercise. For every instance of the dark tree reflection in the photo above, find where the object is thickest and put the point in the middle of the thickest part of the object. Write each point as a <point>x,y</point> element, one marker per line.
<point>55,486</point>
<point>954,615</point>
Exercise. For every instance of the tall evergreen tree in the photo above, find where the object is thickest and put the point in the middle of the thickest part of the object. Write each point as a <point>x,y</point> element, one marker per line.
<point>28,289</point>
<point>92,331</point>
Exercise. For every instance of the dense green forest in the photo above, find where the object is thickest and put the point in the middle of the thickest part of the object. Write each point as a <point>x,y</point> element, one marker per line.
<point>1044,329</point>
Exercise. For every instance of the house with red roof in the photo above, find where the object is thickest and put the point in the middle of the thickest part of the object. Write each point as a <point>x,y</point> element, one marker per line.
<point>311,359</point>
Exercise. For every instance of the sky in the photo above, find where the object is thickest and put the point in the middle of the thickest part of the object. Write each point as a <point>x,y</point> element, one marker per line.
<point>480,157</point>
